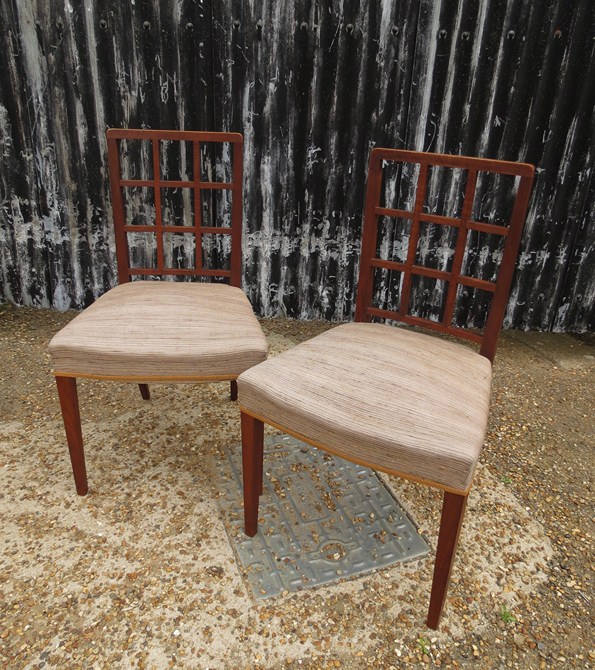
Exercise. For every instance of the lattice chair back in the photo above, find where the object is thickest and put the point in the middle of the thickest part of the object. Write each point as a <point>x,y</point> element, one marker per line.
<point>394,271</point>
<point>139,217</point>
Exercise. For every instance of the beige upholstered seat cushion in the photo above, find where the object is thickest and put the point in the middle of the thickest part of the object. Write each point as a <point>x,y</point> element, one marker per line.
<point>153,330</point>
<point>381,395</point>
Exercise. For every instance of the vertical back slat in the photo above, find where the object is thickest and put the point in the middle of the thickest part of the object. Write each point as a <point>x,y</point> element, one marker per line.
<point>197,206</point>
<point>369,238</point>
<point>115,171</point>
<point>236,214</point>
<point>158,210</point>
<point>511,249</point>
<point>462,231</point>
<point>420,195</point>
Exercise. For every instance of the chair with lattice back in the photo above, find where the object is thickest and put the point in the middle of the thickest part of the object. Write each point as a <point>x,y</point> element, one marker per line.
<point>165,331</point>
<point>392,398</point>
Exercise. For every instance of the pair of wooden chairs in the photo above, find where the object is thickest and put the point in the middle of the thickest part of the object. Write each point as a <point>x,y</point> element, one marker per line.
<point>390,398</point>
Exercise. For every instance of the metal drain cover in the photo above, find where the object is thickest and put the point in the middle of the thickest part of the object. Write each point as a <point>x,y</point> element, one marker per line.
<point>321,519</point>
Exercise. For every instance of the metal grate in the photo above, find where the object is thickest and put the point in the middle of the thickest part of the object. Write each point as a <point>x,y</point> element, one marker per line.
<point>321,519</point>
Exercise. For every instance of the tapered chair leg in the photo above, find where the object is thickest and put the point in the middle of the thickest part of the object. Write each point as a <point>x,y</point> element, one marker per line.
<point>252,454</point>
<point>144,391</point>
<point>233,389</point>
<point>74,436</point>
<point>453,511</point>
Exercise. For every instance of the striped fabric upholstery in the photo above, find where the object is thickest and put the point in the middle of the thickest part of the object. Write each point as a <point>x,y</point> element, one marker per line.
<point>153,330</point>
<point>384,396</point>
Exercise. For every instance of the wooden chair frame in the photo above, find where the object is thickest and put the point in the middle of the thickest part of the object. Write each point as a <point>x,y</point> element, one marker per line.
<point>454,502</point>
<point>67,388</point>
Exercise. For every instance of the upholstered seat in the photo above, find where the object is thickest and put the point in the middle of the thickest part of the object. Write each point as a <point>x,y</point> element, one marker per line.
<point>159,331</point>
<point>413,404</point>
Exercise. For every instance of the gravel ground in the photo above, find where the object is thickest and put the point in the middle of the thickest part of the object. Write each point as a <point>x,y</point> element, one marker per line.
<point>140,573</point>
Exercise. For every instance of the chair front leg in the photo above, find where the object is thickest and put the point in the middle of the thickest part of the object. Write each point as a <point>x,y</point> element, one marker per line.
<point>144,391</point>
<point>74,436</point>
<point>453,511</point>
<point>252,455</point>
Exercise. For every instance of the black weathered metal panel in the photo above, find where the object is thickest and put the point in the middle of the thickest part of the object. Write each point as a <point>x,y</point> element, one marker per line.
<point>312,85</point>
<point>22,242</point>
<point>559,141</point>
<point>576,305</point>
<point>512,80</point>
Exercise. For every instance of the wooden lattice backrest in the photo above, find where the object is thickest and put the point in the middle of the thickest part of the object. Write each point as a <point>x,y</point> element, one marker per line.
<point>409,269</point>
<point>188,227</point>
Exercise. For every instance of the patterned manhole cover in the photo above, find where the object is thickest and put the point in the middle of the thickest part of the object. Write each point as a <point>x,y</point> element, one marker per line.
<point>321,519</point>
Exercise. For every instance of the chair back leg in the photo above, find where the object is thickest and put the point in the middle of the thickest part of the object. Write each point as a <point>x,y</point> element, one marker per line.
<point>72,423</point>
<point>144,391</point>
<point>252,455</point>
<point>233,390</point>
<point>453,511</point>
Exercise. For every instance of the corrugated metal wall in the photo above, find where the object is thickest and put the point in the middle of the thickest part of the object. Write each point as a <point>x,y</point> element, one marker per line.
<point>312,86</point>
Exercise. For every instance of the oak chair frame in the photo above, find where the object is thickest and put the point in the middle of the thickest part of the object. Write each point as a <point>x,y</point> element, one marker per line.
<point>454,502</point>
<point>67,388</point>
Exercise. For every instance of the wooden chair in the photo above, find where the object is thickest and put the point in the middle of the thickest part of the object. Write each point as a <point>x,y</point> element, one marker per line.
<point>163,331</point>
<point>392,398</point>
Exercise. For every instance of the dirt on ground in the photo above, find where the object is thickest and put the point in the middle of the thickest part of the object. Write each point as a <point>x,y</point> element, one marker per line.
<point>140,572</point>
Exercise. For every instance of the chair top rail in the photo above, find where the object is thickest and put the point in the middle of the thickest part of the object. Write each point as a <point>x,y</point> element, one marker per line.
<point>448,160</point>
<point>173,135</point>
